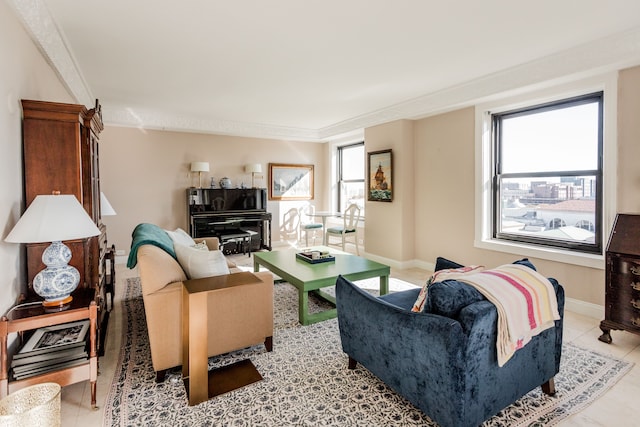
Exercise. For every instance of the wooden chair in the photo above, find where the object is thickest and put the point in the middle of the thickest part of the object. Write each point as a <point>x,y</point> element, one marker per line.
<point>307,225</point>
<point>290,227</point>
<point>348,229</point>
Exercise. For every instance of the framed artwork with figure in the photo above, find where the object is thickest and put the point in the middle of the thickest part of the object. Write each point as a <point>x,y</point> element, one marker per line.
<point>380,168</point>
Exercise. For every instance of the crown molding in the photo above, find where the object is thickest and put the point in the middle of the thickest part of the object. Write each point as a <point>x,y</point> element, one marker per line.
<point>151,119</point>
<point>43,30</point>
<point>607,54</point>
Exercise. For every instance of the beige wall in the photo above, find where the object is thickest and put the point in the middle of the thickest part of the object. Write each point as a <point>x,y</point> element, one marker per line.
<point>444,163</point>
<point>629,141</point>
<point>445,210</point>
<point>389,228</point>
<point>145,173</point>
<point>24,74</point>
<point>445,188</point>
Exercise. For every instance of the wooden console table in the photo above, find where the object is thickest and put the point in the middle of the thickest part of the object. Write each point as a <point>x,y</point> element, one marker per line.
<point>30,317</point>
<point>201,384</point>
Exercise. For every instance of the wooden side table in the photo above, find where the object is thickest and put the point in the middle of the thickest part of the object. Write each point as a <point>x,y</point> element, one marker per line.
<point>83,306</point>
<point>201,384</point>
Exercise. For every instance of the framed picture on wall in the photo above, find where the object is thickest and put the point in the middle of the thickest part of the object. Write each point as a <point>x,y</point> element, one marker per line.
<point>380,168</point>
<point>290,182</point>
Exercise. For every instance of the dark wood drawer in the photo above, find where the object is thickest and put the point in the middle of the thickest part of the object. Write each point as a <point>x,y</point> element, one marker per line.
<point>623,291</point>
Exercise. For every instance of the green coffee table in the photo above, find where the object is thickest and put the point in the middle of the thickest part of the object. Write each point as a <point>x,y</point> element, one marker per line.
<point>308,277</point>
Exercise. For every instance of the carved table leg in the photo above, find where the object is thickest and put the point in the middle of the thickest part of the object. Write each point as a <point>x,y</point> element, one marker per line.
<point>606,334</point>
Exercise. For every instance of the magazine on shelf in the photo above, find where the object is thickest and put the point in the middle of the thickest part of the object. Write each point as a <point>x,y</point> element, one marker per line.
<point>56,337</point>
<point>46,364</point>
<point>38,371</point>
<point>25,355</point>
<point>50,356</point>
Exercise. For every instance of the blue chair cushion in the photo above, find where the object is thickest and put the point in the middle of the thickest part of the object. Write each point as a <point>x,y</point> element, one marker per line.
<point>311,226</point>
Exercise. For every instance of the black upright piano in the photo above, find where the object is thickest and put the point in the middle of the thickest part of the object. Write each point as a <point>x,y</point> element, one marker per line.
<point>218,212</point>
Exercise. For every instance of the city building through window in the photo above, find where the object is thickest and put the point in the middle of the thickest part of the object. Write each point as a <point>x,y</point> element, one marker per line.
<point>547,174</point>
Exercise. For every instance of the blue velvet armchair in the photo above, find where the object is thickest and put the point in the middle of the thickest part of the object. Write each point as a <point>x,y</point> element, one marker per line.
<point>444,361</point>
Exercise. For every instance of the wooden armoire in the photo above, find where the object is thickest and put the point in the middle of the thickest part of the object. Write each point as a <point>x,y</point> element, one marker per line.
<point>60,143</point>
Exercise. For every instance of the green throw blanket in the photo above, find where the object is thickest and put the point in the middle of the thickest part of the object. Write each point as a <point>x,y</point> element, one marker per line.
<point>149,234</point>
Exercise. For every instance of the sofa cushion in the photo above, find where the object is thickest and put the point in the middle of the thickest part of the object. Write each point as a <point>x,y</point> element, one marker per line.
<point>525,262</point>
<point>448,297</point>
<point>201,245</point>
<point>402,299</point>
<point>198,263</point>
<point>181,237</point>
<point>444,264</point>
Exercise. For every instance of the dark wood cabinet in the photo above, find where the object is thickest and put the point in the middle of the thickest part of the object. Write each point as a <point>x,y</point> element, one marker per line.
<point>61,153</point>
<point>622,297</point>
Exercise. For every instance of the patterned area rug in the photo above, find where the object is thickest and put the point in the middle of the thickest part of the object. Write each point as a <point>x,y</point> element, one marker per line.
<point>307,383</point>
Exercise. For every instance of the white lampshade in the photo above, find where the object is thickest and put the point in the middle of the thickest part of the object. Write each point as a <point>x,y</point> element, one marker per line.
<point>52,218</point>
<point>105,207</point>
<point>199,166</point>
<point>253,168</point>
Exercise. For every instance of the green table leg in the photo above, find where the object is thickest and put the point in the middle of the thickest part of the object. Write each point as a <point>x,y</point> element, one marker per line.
<point>384,285</point>
<point>303,307</point>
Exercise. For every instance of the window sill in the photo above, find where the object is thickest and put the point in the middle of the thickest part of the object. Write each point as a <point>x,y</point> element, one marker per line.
<point>550,254</point>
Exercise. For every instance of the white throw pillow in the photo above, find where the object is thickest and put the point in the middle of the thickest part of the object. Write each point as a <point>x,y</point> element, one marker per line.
<point>202,246</point>
<point>180,237</point>
<point>198,263</point>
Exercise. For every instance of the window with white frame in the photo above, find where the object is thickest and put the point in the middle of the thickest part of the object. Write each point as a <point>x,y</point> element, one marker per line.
<point>351,176</point>
<point>547,174</point>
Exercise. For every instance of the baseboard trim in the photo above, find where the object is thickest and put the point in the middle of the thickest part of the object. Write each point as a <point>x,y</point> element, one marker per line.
<point>402,265</point>
<point>584,308</point>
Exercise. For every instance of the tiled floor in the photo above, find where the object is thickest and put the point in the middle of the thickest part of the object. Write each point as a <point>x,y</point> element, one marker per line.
<point>615,408</point>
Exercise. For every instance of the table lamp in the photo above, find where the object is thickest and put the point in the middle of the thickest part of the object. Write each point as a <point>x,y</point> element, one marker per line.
<point>253,169</point>
<point>199,167</point>
<point>54,218</point>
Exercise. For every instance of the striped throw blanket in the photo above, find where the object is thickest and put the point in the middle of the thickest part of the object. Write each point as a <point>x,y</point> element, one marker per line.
<point>525,301</point>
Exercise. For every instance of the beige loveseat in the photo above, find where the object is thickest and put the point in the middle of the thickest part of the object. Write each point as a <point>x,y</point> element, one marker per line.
<point>239,316</point>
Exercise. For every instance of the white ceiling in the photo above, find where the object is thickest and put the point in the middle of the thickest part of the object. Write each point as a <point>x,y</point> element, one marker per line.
<point>316,69</point>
